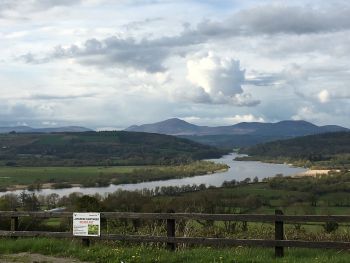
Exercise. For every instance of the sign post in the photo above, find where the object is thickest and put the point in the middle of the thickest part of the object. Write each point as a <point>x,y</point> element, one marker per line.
<point>86,225</point>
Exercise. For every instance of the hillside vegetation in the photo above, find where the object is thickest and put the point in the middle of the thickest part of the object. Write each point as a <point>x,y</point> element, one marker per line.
<point>100,148</point>
<point>330,150</point>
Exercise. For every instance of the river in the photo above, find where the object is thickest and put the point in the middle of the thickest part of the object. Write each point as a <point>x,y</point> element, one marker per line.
<point>239,170</point>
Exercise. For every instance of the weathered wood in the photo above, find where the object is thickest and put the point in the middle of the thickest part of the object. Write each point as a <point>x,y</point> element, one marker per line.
<point>188,216</point>
<point>171,240</point>
<point>171,232</point>
<point>14,223</point>
<point>279,235</point>
<point>35,234</point>
<point>35,214</point>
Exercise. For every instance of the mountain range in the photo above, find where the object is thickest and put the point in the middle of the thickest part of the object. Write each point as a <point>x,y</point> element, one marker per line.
<point>237,135</point>
<point>180,127</point>
<point>27,129</point>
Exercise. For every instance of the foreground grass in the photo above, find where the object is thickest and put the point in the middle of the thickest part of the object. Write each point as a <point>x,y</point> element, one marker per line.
<point>106,252</point>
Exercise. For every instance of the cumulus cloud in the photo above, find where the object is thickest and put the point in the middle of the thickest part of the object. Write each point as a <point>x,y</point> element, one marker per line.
<point>324,96</point>
<point>245,118</point>
<point>296,57</point>
<point>148,55</point>
<point>221,79</point>
<point>218,77</point>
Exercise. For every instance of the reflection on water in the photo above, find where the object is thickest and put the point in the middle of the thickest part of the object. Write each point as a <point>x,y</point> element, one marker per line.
<point>238,170</point>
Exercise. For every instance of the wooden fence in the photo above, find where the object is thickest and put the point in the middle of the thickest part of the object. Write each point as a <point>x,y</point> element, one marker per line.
<point>171,240</point>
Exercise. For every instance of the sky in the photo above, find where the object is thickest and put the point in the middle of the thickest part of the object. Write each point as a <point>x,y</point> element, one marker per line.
<point>110,64</point>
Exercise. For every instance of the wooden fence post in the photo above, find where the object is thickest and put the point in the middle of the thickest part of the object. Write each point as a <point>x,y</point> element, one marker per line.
<point>171,231</point>
<point>85,242</point>
<point>14,223</point>
<point>279,235</point>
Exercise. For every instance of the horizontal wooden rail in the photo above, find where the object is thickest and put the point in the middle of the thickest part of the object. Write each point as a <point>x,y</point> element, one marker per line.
<point>189,216</point>
<point>189,240</point>
<point>279,219</point>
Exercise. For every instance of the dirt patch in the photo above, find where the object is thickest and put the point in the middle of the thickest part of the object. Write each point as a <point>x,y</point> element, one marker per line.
<point>35,258</point>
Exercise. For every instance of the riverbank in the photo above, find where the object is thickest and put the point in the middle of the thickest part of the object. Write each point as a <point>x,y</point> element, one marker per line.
<point>39,178</point>
<point>225,169</point>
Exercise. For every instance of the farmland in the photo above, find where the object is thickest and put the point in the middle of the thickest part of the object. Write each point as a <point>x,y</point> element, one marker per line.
<point>35,177</point>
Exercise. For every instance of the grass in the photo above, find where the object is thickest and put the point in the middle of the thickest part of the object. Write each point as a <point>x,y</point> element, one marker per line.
<point>118,252</point>
<point>90,176</point>
<point>30,175</point>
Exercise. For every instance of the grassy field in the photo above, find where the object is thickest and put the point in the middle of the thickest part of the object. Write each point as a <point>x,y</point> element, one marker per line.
<point>107,252</point>
<point>101,175</point>
<point>31,175</point>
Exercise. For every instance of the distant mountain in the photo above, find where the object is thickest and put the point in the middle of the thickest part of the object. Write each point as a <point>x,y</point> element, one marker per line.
<point>171,127</point>
<point>284,128</point>
<point>237,135</point>
<point>27,129</point>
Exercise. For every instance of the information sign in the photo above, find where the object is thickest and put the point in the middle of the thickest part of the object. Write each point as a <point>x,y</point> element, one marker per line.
<point>86,224</point>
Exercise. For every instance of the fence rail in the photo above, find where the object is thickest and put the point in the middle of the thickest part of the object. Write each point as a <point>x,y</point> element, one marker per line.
<point>171,240</point>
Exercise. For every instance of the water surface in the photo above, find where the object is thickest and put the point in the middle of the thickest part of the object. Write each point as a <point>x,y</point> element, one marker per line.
<point>239,170</point>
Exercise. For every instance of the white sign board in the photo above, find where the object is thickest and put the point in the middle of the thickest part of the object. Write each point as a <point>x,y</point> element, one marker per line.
<point>86,224</point>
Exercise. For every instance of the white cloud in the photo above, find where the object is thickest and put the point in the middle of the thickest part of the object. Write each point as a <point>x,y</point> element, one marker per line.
<point>224,120</point>
<point>221,79</point>
<point>244,118</point>
<point>324,96</point>
<point>147,63</point>
<point>218,77</point>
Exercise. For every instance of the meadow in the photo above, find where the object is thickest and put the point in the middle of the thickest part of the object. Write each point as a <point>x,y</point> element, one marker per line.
<point>104,252</point>
<point>35,177</point>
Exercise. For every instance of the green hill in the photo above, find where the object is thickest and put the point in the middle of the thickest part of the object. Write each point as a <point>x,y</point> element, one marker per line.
<point>327,149</point>
<point>100,148</point>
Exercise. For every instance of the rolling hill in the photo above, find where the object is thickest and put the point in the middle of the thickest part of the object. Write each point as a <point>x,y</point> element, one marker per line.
<point>238,135</point>
<point>100,148</point>
<point>313,147</point>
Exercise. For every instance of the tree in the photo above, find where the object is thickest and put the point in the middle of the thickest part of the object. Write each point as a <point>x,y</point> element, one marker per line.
<point>87,203</point>
<point>52,200</point>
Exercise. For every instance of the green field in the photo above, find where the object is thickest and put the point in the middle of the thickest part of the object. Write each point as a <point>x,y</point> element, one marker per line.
<point>100,175</point>
<point>31,175</point>
<point>117,252</point>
